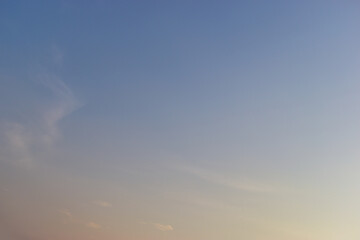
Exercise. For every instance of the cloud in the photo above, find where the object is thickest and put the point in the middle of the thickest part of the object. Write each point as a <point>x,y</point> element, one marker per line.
<point>25,139</point>
<point>57,55</point>
<point>93,225</point>
<point>159,226</point>
<point>65,103</point>
<point>163,227</point>
<point>68,217</point>
<point>224,180</point>
<point>200,201</point>
<point>65,212</point>
<point>102,204</point>
<point>19,143</point>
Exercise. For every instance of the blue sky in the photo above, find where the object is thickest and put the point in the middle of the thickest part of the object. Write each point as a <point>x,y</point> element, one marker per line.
<point>179,120</point>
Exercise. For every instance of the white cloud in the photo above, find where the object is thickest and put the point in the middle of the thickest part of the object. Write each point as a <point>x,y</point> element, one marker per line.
<point>102,203</point>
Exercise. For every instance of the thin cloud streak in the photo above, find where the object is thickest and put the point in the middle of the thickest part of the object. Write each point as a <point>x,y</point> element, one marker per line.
<point>162,227</point>
<point>223,180</point>
<point>159,226</point>
<point>93,225</point>
<point>102,204</point>
<point>65,212</point>
<point>68,217</point>
<point>200,201</point>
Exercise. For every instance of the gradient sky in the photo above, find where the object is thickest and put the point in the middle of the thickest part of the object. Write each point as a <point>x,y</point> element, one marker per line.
<point>179,120</point>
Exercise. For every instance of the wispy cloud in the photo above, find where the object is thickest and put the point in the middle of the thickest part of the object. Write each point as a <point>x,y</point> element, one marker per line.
<point>64,104</point>
<point>163,227</point>
<point>24,139</point>
<point>68,217</point>
<point>242,184</point>
<point>102,204</point>
<point>93,225</point>
<point>19,142</point>
<point>65,212</point>
<point>57,55</point>
<point>159,226</point>
<point>198,200</point>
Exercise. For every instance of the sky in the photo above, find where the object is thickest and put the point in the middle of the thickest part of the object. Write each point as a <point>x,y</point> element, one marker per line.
<point>179,120</point>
